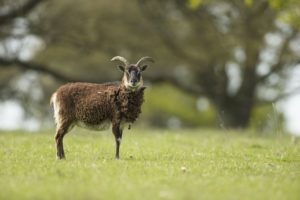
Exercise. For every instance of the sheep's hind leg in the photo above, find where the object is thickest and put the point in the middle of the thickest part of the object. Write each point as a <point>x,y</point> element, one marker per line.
<point>60,133</point>
<point>117,131</point>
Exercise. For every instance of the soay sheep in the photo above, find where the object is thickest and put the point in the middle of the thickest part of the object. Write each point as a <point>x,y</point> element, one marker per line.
<point>96,106</point>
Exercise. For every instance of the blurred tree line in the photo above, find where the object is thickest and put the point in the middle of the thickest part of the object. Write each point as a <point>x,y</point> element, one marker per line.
<point>235,53</point>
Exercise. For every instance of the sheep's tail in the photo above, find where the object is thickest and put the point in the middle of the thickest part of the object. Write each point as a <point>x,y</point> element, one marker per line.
<point>54,107</point>
<point>51,101</point>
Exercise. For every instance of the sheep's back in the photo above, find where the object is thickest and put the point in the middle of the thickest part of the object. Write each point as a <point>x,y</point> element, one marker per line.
<point>86,102</point>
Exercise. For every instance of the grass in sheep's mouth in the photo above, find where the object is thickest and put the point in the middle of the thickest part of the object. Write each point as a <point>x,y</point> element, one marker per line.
<point>154,164</point>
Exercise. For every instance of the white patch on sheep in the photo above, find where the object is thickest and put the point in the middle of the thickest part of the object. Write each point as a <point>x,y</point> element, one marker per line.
<point>125,81</point>
<point>56,108</point>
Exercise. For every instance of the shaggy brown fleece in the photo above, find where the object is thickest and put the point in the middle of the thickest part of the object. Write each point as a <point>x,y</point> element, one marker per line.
<point>92,104</point>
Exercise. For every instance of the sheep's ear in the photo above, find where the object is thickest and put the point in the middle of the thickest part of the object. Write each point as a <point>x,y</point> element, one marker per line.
<point>144,67</point>
<point>122,68</point>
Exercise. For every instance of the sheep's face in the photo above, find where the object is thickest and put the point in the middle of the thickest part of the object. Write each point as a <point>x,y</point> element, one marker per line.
<point>133,79</point>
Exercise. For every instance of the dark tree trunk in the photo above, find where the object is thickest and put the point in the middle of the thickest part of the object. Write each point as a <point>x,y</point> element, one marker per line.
<point>235,111</point>
<point>234,114</point>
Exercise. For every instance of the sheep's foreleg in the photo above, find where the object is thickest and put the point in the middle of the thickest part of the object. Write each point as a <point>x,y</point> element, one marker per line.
<point>118,137</point>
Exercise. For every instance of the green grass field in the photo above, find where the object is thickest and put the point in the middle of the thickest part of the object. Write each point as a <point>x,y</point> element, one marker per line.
<point>159,164</point>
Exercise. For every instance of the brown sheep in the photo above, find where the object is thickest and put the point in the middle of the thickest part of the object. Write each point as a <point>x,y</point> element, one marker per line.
<point>96,106</point>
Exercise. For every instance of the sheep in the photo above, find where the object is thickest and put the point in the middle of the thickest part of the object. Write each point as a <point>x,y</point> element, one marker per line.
<point>97,106</point>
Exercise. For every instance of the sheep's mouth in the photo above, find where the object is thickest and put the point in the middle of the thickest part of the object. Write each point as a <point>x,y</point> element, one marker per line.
<point>134,87</point>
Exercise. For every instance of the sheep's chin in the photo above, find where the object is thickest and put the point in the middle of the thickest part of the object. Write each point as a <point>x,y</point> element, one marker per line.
<point>133,88</point>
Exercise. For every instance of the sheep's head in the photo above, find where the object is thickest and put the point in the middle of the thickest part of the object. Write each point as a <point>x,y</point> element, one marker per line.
<point>132,78</point>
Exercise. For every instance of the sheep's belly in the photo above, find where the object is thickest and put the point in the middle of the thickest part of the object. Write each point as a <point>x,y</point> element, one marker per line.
<point>98,127</point>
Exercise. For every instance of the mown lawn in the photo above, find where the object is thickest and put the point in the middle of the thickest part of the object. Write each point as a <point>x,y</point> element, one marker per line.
<point>159,164</point>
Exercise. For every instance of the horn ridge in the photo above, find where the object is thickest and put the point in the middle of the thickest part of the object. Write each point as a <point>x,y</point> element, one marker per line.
<point>144,59</point>
<point>121,59</point>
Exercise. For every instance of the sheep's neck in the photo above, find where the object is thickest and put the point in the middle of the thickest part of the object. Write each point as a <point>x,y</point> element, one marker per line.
<point>129,103</point>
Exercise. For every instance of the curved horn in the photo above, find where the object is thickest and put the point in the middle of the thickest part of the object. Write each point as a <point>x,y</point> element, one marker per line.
<point>144,59</point>
<point>121,59</point>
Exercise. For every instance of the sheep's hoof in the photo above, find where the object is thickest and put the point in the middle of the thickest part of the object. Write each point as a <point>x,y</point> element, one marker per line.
<point>60,157</point>
<point>117,158</point>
